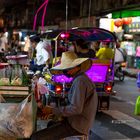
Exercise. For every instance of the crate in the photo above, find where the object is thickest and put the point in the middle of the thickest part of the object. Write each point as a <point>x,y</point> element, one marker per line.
<point>14,90</point>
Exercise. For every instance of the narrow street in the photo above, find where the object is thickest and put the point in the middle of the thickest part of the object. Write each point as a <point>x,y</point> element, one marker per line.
<point>119,123</point>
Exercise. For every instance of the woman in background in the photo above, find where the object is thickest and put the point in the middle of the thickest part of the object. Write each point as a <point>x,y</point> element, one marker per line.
<point>138,57</point>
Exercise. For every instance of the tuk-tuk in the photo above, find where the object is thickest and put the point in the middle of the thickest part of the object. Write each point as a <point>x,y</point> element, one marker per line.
<point>101,71</point>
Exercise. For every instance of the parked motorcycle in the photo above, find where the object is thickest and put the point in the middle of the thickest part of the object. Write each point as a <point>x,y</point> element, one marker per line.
<point>119,73</point>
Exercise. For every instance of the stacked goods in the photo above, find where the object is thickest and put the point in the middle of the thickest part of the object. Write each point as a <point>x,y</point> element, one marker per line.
<point>4,81</point>
<point>4,74</point>
<point>13,76</point>
<point>16,81</point>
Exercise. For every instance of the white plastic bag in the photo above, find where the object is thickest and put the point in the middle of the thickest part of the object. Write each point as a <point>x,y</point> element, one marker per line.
<point>16,119</point>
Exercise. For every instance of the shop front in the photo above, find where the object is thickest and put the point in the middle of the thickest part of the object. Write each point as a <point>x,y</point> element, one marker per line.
<point>131,33</point>
<point>126,25</point>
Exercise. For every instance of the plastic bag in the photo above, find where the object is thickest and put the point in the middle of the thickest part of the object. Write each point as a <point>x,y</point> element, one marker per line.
<point>16,119</point>
<point>2,100</point>
<point>43,89</point>
<point>137,106</point>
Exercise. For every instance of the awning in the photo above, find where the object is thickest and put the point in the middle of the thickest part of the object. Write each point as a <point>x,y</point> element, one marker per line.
<point>126,13</point>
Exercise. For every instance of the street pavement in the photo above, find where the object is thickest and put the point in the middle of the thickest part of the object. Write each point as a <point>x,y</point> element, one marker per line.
<point>116,126</point>
<point>131,72</point>
<point>107,126</point>
<point>119,122</point>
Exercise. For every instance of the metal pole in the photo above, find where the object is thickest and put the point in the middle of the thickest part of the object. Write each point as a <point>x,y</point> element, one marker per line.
<point>89,12</point>
<point>81,8</point>
<point>66,15</point>
<point>55,51</point>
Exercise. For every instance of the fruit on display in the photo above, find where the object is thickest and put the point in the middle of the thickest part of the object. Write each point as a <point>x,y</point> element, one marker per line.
<point>16,81</point>
<point>4,81</point>
<point>47,76</point>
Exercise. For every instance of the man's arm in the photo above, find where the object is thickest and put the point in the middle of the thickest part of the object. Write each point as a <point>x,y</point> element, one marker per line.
<point>78,91</point>
<point>46,56</point>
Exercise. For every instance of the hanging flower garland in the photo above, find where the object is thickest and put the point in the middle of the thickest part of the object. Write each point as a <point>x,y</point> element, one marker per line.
<point>122,21</point>
<point>43,16</point>
<point>118,22</point>
<point>127,21</point>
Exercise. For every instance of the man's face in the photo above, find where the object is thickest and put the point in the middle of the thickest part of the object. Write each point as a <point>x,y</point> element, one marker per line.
<point>72,72</point>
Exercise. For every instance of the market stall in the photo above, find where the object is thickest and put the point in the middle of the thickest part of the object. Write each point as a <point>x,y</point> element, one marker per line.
<point>17,104</point>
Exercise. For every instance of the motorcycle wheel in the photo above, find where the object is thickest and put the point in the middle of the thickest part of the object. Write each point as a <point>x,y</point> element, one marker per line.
<point>121,78</point>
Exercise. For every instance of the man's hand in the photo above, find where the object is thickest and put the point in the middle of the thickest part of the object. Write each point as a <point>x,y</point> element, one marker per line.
<point>47,110</point>
<point>56,111</point>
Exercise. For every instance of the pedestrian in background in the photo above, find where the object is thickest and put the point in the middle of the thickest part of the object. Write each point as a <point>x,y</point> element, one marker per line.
<point>27,44</point>
<point>105,52</point>
<point>41,56</point>
<point>138,57</point>
<point>3,41</point>
<point>48,47</point>
<point>83,50</point>
<point>120,54</point>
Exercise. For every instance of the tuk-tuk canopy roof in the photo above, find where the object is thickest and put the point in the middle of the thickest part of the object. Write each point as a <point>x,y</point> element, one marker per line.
<point>88,34</point>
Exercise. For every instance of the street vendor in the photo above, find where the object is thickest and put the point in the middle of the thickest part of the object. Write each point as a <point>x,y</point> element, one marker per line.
<point>79,113</point>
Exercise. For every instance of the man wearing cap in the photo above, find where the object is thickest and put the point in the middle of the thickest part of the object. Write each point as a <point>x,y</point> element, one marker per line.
<point>80,112</point>
<point>41,54</point>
